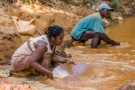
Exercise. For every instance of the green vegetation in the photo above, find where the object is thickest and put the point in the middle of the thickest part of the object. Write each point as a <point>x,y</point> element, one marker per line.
<point>26,0</point>
<point>115,4</point>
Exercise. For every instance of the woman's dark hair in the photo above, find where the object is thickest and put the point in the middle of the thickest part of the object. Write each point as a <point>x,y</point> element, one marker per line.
<point>54,31</point>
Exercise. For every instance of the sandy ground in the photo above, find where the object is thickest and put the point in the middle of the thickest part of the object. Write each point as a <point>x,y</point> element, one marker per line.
<point>66,16</point>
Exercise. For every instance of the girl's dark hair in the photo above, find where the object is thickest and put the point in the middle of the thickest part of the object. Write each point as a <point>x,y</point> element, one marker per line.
<point>54,31</point>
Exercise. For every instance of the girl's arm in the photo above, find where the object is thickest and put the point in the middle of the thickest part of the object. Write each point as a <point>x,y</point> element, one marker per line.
<point>60,59</point>
<point>38,55</point>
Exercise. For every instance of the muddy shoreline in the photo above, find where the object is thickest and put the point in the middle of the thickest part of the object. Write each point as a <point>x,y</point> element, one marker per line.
<point>65,15</point>
<point>60,13</point>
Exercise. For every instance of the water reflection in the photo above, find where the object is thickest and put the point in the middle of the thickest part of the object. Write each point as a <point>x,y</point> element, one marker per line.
<point>109,67</point>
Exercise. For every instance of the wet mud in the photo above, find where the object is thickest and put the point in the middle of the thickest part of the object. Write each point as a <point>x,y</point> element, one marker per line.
<point>104,68</point>
<point>108,67</point>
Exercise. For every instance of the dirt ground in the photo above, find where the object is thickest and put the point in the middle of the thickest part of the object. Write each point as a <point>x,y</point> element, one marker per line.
<point>62,14</point>
<point>59,13</point>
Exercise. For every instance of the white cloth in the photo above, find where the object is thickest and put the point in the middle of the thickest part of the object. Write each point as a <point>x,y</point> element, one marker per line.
<point>24,51</point>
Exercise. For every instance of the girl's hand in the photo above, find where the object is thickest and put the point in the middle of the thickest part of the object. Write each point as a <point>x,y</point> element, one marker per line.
<point>50,75</point>
<point>70,61</point>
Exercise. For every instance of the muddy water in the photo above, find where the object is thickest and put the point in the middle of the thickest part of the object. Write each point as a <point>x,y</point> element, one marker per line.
<point>109,67</point>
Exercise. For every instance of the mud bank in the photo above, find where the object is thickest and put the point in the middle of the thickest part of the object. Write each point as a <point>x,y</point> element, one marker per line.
<point>58,13</point>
